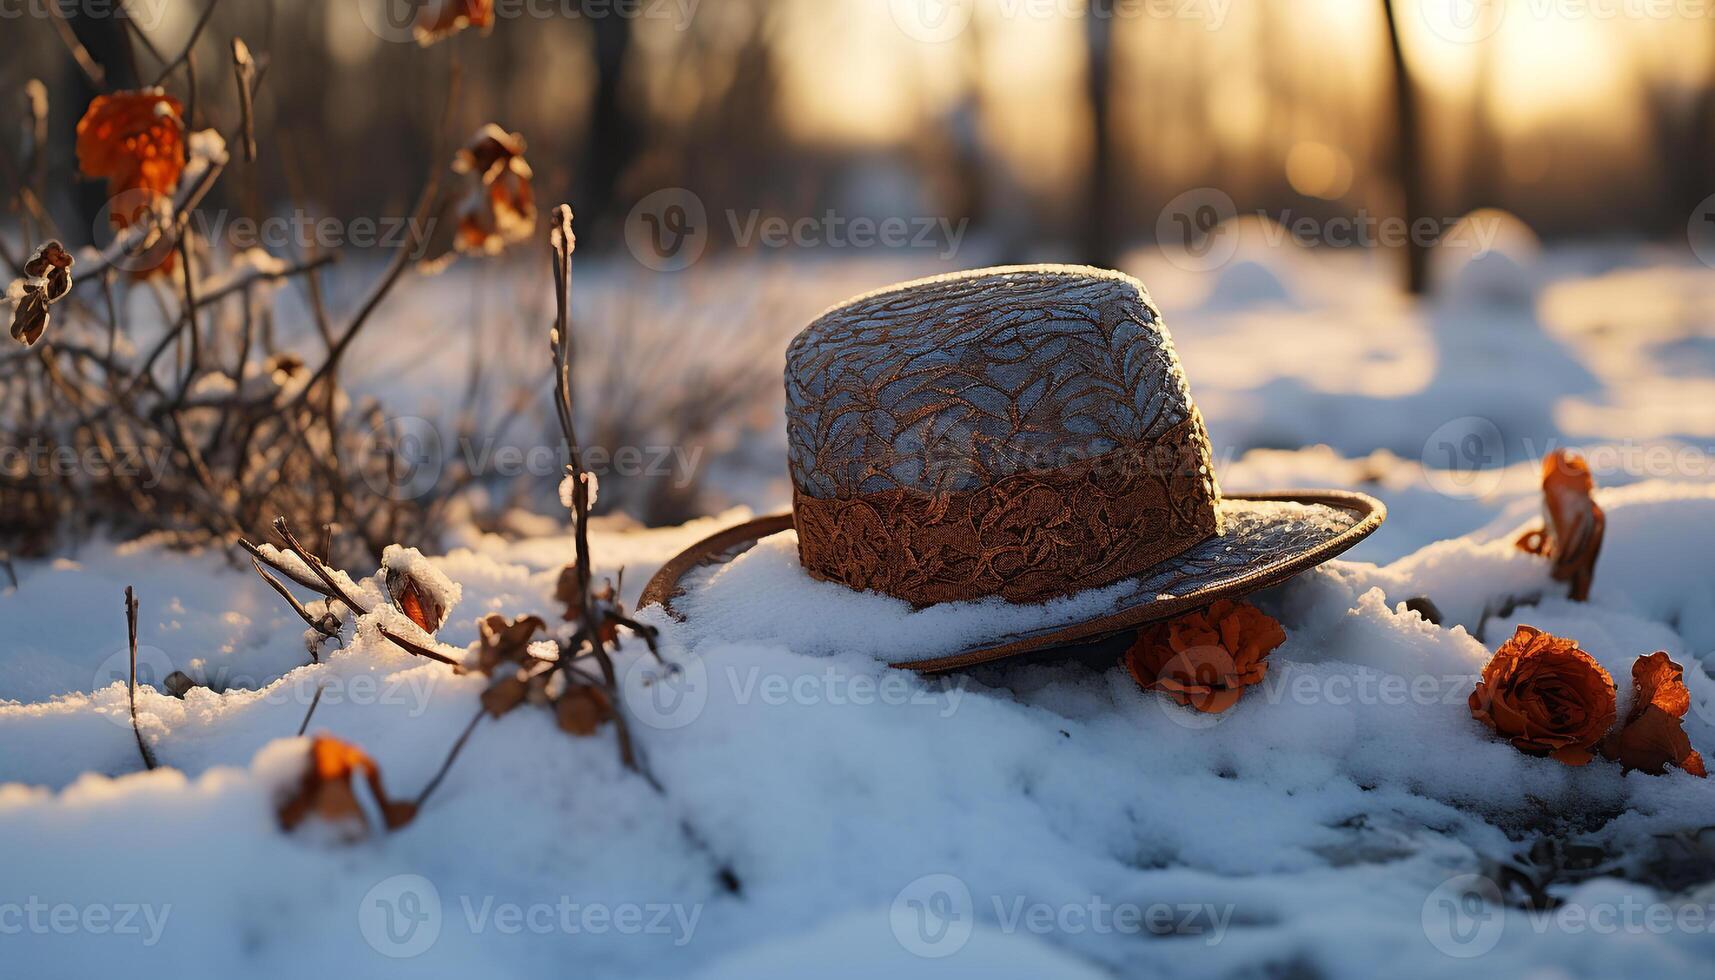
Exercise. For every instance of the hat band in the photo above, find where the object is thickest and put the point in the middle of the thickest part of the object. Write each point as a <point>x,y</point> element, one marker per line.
<point>1028,537</point>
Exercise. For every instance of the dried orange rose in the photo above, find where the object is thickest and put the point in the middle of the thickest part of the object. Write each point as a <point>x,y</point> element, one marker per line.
<point>1653,735</point>
<point>134,140</point>
<point>1546,696</point>
<point>440,19</point>
<point>499,206</point>
<point>1207,658</point>
<point>326,790</point>
<point>1572,532</point>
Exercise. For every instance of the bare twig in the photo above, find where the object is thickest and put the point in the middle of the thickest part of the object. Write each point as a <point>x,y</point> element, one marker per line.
<point>305,725</point>
<point>401,257</point>
<point>79,53</point>
<point>190,44</point>
<point>458,747</point>
<point>149,761</point>
<point>244,71</point>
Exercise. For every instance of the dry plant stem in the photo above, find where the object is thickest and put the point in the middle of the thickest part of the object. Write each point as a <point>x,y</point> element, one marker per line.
<point>79,53</point>
<point>244,72</point>
<point>401,258</point>
<point>318,625</point>
<point>305,725</point>
<point>447,764</point>
<point>190,44</point>
<point>326,587</point>
<point>149,761</point>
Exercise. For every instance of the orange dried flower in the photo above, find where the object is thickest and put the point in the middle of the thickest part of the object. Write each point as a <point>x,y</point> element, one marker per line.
<point>135,141</point>
<point>1574,524</point>
<point>441,19</point>
<point>1546,696</point>
<point>1207,658</point>
<point>499,205</point>
<point>326,790</point>
<point>1653,735</point>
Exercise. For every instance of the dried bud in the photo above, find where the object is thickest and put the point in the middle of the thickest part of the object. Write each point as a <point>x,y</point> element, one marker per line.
<point>421,591</point>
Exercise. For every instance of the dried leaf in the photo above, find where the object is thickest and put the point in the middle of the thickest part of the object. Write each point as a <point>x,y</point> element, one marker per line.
<point>29,314</point>
<point>505,642</point>
<point>583,709</point>
<point>505,694</point>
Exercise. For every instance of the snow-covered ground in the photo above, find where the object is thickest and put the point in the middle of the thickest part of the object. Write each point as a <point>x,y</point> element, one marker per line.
<point>1042,819</point>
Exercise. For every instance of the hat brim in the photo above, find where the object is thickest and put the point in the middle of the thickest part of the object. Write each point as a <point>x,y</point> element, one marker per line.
<point>1267,538</point>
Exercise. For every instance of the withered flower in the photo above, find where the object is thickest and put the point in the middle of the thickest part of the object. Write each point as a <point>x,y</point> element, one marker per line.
<point>499,206</point>
<point>1546,696</point>
<point>135,141</point>
<point>1653,735</point>
<point>47,280</point>
<point>1205,659</point>
<point>326,791</point>
<point>1573,527</point>
<point>439,19</point>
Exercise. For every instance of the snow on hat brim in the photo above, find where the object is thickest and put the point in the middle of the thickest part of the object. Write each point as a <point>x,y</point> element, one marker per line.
<point>746,584</point>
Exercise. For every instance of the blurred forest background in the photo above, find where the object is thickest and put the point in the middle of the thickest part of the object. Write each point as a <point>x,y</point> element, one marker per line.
<point>1058,129</point>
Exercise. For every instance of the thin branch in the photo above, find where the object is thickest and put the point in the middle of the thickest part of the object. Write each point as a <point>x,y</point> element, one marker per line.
<point>91,70</point>
<point>190,44</point>
<point>313,702</point>
<point>401,258</point>
<point>458,747</point>
<point>244,72</point>
<point>319,625</point>
<point>149,761</point>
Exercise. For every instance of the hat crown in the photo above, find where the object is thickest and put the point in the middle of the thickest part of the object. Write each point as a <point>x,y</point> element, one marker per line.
<point>949,384</point>
<point>1024,432</point>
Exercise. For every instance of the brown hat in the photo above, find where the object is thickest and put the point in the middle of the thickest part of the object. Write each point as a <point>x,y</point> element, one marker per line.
<point>1023,434</point>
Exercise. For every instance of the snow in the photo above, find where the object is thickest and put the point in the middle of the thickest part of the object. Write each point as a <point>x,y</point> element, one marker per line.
<point>1043,818</point>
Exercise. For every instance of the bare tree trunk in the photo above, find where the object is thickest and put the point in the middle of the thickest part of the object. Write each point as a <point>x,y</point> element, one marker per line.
<point>613,140</point>
<point>103,36</point>
<point>1099,219</point>
<point>1408,160</point>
